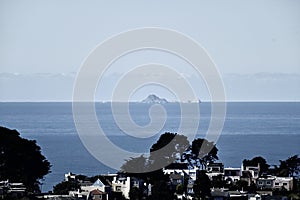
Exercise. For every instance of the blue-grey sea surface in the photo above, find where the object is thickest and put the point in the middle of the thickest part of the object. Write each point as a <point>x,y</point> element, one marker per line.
<point>268,129</point>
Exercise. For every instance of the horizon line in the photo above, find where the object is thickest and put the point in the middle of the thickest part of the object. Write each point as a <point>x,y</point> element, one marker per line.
<point>204,101</point>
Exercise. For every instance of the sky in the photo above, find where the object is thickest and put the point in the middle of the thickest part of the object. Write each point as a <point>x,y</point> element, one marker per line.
<point>254,44</point>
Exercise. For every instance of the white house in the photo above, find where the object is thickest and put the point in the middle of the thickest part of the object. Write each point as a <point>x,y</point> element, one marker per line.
<point>70,176</point>
<point>87,189</point>
<point>232,174</point>
<point>254,170</point>
<point>286,182</point>
<point>98,185</point>
<point>181,169</point>
<point>214,169</point>
<point>265,182</point>
<point>121,184</point>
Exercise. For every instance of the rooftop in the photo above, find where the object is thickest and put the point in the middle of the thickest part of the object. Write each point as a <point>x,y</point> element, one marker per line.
<point>97,192</point>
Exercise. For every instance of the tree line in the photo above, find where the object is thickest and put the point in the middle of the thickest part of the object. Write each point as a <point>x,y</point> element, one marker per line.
<point>197,154</point>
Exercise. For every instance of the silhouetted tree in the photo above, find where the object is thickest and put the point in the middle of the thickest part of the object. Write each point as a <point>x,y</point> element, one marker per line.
<point>289,167</point>
<point>117,196</point>
<point>66,186</point>
<point>200,153</point>
<point>135,193</point>
<point>218,181</point>
<point>21,160</point>
<point>135,165</point>
<point>202,185</point>
<point>264,167</point>
<point>239,185</point>
<point>171,146</point>
<point>162,191</point>
<point>140,168</point>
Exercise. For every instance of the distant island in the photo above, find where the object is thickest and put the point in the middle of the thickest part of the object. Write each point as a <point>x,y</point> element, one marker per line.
<point>152,98</point>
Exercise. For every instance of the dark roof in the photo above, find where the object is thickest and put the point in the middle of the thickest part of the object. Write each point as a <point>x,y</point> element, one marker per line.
<point>175,176</point>
<point>97,192</point>
<point>177,166</point>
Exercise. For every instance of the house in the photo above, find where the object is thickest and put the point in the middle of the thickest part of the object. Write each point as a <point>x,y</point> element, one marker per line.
<point>286,182</point>
<point>182,169</point>
<point>15,190</point>
<point>247,176</point>
<point>3,188</point>
<point>97,195</point>
<point>98,184</point>
<point>273,182</point>
<point>85,189</point>
<point>214,169</point>
<point>70,176</point>
<point>253,170</point>
<point>123,184</point>
<point>232,174</point>
<point>265,182</point>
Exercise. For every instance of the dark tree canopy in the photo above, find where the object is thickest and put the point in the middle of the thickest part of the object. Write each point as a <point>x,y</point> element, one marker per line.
<point>172,146</point>
<point>202,185</point>
<point>161,190</point>
<point>138,165</point>
<point>200,153</point>
<point>66,186</point>
<point>21,160</point>
<point>176,148</point>
<point>264,167</point>
<point>141,165</point>
<point>289,167</point>
<point>135,193</point>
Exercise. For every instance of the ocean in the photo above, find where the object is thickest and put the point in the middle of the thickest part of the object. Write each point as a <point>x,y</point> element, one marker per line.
<point>267,129</point>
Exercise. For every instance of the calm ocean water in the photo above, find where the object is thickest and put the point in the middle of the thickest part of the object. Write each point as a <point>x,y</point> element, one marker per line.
<point>271,130</point>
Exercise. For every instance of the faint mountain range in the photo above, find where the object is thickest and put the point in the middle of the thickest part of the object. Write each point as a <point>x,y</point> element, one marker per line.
<point>238,87</point>
<point>152,98</point>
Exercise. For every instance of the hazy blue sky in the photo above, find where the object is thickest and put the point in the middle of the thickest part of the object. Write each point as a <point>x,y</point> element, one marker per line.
<point>255,44</point>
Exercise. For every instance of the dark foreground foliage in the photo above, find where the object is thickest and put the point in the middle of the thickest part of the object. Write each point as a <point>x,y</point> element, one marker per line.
<point>21,160</point>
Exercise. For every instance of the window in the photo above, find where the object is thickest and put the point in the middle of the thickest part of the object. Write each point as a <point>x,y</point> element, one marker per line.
<point>260,182</point>
<point>215,169</point>
<point>268,182</point>
<point>118,188</point>
<point>276,183</point>
<point>284,183</point>
<point>135,183</point>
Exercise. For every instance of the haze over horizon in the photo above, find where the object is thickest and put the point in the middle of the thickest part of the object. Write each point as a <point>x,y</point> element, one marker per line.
<point>255,46</point>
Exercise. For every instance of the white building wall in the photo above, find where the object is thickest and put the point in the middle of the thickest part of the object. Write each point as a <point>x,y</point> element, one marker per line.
<point>123,184</point>
<point>286,182</point>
